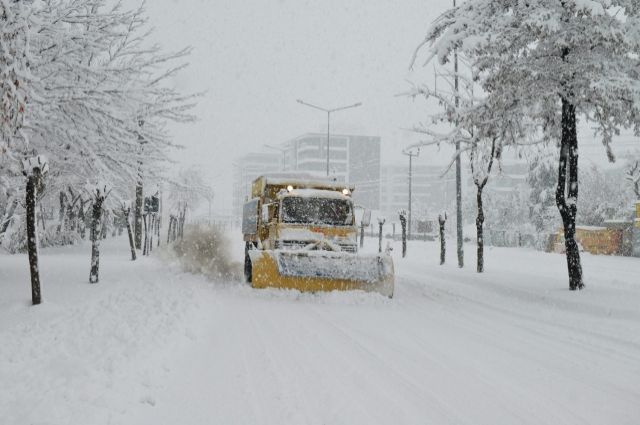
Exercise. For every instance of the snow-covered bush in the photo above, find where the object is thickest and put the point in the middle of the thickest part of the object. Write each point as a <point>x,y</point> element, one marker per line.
<point>14,240</point>
<point>605,196</point>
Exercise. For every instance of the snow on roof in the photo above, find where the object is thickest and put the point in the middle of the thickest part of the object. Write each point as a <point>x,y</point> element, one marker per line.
<point>591,228</point>
<point>304,180</point>
<point>315,193</point>
<point>293,175</point>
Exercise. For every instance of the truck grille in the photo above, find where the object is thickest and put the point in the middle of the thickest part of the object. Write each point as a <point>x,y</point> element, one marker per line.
<point>291,244</point>
<point>347,247</point>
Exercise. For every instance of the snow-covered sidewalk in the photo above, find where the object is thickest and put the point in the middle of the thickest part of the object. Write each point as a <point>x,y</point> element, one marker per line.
<point>89,352</point>
<point>151,345</point>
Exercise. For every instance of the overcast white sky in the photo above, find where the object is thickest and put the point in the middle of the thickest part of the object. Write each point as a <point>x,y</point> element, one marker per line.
<point>256,57</point>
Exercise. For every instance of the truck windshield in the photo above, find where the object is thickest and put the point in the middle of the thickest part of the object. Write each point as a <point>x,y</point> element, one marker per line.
<point>316,211</point>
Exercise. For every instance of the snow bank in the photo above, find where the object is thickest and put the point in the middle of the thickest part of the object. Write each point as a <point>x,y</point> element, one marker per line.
<point>90,353</point>
<point>151,345</point>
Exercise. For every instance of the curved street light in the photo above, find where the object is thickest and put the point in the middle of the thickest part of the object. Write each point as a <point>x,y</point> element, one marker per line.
<point>411,155</point>
<point>328,111</point>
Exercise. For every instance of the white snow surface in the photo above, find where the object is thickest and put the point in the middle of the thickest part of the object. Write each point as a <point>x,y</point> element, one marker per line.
<point>152,345</point>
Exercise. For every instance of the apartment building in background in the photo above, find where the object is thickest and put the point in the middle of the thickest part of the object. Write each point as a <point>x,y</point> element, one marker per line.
<point>431,191</point>
<point>354,159</point>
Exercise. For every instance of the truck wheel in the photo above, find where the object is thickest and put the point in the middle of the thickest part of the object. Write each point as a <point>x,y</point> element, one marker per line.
<point>247,262</point>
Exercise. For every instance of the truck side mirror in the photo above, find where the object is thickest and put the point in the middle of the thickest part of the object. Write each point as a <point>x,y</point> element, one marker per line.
<point>366,218</point>
<point>265,214</point>
<point>250,217</point>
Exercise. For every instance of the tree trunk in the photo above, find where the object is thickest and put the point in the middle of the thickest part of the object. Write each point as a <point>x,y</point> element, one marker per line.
<point>32,239</point>
<point>104,227</point>
<point>403,223</point>
<point>567,192</point>
<point>158,229</point>
<point>152,229</point>
<point>96,236</point>
<point>145,249</point>
<point>480,231</point>
<point>42,218</point>
<point>70,219</point>
<point>174,232</point>
<point>63,198</point>
<point>137,218</point>
<point>82,225</point>
<point>183,217</point>
<point>380,237</point>
<point>443,242</point>
<point>130,233</point>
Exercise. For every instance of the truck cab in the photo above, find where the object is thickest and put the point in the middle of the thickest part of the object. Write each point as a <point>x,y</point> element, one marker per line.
<point>294,213</point>
<point>300,233</point>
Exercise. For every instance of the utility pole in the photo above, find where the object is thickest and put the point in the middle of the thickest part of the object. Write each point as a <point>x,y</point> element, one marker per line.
<point>137,217</point>
<point>458,166</point>
<point>328,111</point>
<point>410,155</point>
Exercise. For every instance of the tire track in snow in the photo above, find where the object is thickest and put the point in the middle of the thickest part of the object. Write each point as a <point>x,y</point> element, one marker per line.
<point>413,389</point>
<point>622,353</point>
<point>548,345</point>
<point>457,371</point>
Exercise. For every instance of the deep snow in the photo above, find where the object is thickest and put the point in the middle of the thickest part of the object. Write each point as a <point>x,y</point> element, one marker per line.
<point>152,345</point>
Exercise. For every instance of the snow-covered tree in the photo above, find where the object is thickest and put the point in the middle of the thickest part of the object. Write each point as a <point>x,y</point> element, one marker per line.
<point>604,197</point>
<point>15,78</point>
<point>552,62</point>
<point>473,131</point>
<point>442,220</point>
<point>633,176</point>
<point>455,99</point>
<point>481,159</point>
<point>90,78</point>
<point>99,193</point>
<point>76,79</point>
<point>188,187</point>
<point>542,178</point>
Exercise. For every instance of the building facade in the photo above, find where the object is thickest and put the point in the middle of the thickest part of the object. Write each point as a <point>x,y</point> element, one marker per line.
<point>431,191</point>
<point>353,159</point>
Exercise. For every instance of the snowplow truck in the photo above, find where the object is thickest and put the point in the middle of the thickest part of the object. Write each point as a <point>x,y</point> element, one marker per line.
<point>300,233</point>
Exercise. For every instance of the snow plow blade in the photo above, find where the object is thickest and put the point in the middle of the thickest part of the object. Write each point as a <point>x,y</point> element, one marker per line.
<point>314,271</point>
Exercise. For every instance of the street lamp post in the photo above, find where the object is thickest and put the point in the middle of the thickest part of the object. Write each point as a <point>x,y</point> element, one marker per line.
<point>410,155</point>
<point>282,150</point>
<point>328,111</point>
<point>460,239</point>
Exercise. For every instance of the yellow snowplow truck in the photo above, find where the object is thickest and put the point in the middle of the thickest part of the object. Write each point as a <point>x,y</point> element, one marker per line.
<point>300,233</point>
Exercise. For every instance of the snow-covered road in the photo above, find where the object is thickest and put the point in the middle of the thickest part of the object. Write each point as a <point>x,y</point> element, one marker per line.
<point>150,345</point>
